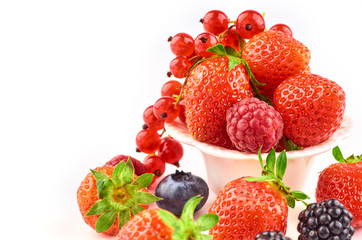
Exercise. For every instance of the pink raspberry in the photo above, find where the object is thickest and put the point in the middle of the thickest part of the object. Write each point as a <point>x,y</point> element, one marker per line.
<point>139,167</point>
<point>252,123</point>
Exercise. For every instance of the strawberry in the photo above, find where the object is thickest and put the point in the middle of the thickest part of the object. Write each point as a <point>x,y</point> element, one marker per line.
<point>250,205</point>
<point>108,196</point>
<point>211,88</point>
<point>343,181</point>
<point>311,106</point>
<point>273,56</point>
<point>158,224</point>
<point>148,225</point>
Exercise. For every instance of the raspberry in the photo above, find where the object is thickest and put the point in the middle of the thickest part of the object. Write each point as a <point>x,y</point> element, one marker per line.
<point>252,123</point>
<point>138,165</point>
<point>326,220</point>
<point>271,235</point>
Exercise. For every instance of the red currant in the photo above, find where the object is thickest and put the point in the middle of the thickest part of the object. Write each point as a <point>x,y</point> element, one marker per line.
<point>182,44</point>
<point>215,22</point>
<point>170,151</point>
<point>171,88</point>
<point>283,28</point>
<point>165,108</point>
<point>148,141</point>
<point>155,165</point>
<point>179,66</point>
<point>151,120</point>
<point>204,41</point>
<point>249,23</point>
<point>230,38</point>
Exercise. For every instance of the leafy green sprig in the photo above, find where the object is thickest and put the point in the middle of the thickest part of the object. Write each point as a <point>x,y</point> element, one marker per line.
<point>185,228</point>
<point>337,154</point>
<point>273,172</point>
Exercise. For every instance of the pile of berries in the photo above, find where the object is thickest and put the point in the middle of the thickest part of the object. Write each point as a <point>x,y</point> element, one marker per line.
<point>245,88</point>
<point>234,60</point>
<point>113,200</point>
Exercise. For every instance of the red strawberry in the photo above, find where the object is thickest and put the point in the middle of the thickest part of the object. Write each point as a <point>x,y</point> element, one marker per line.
<point>87,196</point>
<point>210,90</point>
<point>108,196</point>
<point>311,106</point>
<point>273,56</point>
<point>146,225</point>
<point>248,206</point>
<point>157,224</point>
<point>343,181</point>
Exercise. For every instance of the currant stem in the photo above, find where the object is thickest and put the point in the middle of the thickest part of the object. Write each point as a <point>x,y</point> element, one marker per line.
<point>163,132</point>
<point>225,33</point>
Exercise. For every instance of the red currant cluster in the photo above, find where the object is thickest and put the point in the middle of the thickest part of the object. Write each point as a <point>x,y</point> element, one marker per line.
<point>218,29</point>
<point>161,150</point>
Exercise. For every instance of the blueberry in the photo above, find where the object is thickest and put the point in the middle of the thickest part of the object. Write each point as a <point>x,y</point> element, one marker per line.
<point>175,189</point>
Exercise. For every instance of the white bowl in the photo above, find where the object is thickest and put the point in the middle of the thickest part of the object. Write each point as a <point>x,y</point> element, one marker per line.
<point>223,165</point>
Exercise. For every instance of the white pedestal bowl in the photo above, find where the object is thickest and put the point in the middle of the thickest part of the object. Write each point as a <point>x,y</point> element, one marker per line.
<point>223,165</point>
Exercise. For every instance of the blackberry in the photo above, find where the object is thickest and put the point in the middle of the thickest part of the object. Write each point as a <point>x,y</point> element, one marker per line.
<point>271,235</point>
<point>326,220</point>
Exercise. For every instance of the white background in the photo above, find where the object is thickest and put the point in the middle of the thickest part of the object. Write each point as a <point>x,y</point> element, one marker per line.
<point>75,77</point>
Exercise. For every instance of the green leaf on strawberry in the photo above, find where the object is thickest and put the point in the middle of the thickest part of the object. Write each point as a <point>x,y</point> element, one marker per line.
<point>281,165</point>
<point>289,145</point>
<point>120,195</point>
<point>273,172</point>
<point>218,49</point>
<point>184,227</point>
<point>233,61</point>
<point>299,195</point>
<point>232,52</point>
<point>207,221</point>
<point>337,154</point>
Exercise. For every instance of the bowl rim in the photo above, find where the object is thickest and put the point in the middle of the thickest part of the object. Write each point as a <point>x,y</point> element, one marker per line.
<point>179,131</point>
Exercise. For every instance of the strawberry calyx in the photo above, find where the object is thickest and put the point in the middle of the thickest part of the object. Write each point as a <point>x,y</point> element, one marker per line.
<point>273,172</point>
<point>120,195</point>
<point>337,154</point>
<point>289,145</point>
<point>185,228</point>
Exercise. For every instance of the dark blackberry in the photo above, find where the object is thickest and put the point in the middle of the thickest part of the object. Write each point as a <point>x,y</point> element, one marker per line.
<point>269,235</point>
<point>326,220</point>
